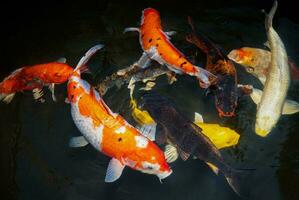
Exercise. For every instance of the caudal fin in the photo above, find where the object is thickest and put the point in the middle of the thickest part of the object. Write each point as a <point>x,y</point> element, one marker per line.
<point>81,66</point>
<point>235,178</point>
<point>205,77</point>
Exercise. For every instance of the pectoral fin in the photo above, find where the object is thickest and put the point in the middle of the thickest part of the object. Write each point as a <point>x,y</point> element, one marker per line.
<point>198,118</point>
<point>52,89</point>
<point>38,94</point>
<point>61,60</point>
<point>114,170</point>
<point>7,98</point>
<point>130,29</point>
<point>184,156</point>
<point>170,33</point>
<point>79,141</point>
<point>171,153</point>
<point>213,168</point>
<point>290,107</point>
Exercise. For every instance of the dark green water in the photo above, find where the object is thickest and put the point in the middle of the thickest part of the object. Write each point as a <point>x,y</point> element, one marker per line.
<point>37,162</point>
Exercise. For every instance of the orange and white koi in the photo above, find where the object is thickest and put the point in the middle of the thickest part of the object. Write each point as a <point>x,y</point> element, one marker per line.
<point>109,133</point>
<point>35,78</point>
<point>157,46</point>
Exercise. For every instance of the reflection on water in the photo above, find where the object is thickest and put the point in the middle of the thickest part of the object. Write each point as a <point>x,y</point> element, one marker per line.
<point>34,136</point>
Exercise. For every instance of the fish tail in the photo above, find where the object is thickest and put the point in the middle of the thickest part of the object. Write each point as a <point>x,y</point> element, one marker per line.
<point>235,178</point>
<point>199,40</point>
<point>205,77</point>
<point>81,66</point>
<point>269,17</point>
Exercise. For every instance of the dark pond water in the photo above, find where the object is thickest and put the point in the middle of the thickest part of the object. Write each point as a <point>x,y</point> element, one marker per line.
<point>36,160</point>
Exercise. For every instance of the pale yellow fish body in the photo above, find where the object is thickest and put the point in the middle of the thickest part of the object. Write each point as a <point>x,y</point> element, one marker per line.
<point>277,82</point>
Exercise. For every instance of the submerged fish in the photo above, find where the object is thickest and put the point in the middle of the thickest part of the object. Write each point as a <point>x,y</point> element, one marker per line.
<point>220,136</point>
<point>157,46</point>
<point>226,91</point>
<point>257,62</point>
<point>187,138</point>
<point>35,78</point>
<point>277,82</point>
<point>123,76</point>
<point>109,133</point>
<point>289,106</point>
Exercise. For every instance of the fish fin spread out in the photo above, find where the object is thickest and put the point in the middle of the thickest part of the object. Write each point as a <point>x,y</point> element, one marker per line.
<point>149,131</point>
<point>184,156</point>
<point>79,141</point>
<point>169,33</point>
<point>234,179</point>
<point>213,168</point>
<point>114,170</point>
<point>130,29</point>
<point>83,61</point>
<point>38,95</point>
<point>171,153</point>
<point>52,89</point>
<point>266,44</point>
<point>270,15</point>
<point>7,98</point>
<point>61,60</point>
<point>198,118</point>
<point>290,107</point>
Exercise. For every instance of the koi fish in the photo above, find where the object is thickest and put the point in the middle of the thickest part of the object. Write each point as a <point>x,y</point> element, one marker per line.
<point>109,133</point>
<point>289,107</point>
<point>123,76</point>
<point>220,136</point>
<point>156,46</point>
<point>226,91</point>
<point>35,78</point>
<point>257,62</point>
<point>185,137</point>
<point>277,81</point>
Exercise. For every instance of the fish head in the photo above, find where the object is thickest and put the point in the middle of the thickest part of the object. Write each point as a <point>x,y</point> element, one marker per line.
<point>225,99</point>
<point>76,87</point>
<point>264,124</point>
<point>150,158</point>
<point>59,73</point>
<point>150,15</point>
<point>242,56</point>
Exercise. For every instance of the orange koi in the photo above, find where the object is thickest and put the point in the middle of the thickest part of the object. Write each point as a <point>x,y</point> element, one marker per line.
<point>109,133</point>
<point>35,78</point>
<point>157,46</point>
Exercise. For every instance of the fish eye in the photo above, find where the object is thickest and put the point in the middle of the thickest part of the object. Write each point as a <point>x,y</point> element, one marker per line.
<point>57,74</point>
<point>150,167</point>
<point>250,69</point>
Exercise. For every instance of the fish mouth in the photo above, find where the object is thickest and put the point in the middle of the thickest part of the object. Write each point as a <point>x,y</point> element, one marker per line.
<point>164,174</point>
<point>261,132</point>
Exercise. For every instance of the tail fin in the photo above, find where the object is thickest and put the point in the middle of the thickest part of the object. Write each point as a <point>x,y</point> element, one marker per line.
<point>205,77</point>
<point>81,66</point>
<point>269,17</point>
<point>235,177</point>
<point>200,42</point>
